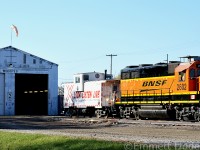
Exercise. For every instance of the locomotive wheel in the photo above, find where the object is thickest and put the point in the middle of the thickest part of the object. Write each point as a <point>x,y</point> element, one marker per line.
<point>107,113</point>
<point>185,118</point>
<point>137,117</point>
<point>196,117</point>
<point>121,114</point>
<point>178,116</point>
<point>69,113</point>
<point>98,115</point>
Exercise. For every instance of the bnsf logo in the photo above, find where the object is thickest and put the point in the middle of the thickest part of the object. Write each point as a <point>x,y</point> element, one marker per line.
<point>154,83</point>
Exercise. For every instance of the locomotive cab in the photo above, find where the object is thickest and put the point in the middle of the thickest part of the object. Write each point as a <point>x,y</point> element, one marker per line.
<point>187,74</point>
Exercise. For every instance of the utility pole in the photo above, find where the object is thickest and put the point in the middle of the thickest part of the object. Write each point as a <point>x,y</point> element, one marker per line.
<point>111,55</point>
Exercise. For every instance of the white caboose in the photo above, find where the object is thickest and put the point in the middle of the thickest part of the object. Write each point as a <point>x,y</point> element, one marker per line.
<point>89,93</point>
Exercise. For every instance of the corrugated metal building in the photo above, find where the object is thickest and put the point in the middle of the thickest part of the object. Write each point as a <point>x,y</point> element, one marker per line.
<point>28,84</point>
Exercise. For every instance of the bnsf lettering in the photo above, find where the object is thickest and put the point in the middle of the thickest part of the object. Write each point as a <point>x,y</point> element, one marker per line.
<point>181,86</point>
<point>154,83</point>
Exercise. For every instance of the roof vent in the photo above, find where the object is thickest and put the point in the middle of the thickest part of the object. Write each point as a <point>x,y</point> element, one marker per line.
<point>97,75</point>
<point>131,66</point>
<point>144,65</point>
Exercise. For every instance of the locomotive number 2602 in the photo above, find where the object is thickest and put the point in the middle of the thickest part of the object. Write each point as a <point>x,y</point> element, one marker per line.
<point>181,86</point>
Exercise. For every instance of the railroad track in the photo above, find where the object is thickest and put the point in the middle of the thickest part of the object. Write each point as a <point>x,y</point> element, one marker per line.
<point>104,120</point>
<point>136,122</point>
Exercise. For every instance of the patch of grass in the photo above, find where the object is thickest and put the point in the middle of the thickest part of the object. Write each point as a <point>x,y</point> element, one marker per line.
<point>22,141</point>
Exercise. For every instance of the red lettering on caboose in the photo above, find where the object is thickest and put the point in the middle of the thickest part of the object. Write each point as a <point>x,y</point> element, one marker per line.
<point>96,94</point>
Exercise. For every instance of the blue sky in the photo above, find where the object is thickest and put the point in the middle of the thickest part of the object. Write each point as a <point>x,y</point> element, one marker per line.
<point>78,34</point>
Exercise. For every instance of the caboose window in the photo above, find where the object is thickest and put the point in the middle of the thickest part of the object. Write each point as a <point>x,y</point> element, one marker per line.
<point>77,79</point>
<point>86,77</point>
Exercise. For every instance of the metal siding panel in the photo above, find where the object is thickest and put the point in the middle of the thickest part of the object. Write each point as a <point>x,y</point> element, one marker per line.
<point>2,100</point>
<point>53,91</point>
<point>9,94</point>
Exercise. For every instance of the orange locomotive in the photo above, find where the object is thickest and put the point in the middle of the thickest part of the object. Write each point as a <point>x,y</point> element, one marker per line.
<point>163,90</point>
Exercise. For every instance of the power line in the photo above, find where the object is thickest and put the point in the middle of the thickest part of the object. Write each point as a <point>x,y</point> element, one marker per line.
<point>111,55</point>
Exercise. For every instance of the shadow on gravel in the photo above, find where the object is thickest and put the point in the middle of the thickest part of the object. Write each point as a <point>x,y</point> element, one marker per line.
<point>24,123</point>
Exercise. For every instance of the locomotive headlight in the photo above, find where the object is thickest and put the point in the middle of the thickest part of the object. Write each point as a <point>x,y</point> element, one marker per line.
<point>192,96</point>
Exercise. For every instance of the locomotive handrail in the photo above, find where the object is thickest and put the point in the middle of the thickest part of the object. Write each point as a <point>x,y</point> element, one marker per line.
<point>141,92</point>
<point>147,95</point>
<point>134,92</point>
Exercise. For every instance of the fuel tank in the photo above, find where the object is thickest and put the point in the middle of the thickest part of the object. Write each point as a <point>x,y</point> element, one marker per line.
<point>153,112</point>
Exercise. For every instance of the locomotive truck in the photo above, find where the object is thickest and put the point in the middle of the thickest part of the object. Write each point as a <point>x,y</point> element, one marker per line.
<point>162,90</point>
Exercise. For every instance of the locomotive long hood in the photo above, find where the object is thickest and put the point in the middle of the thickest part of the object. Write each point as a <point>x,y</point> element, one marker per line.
<point>150,85</point>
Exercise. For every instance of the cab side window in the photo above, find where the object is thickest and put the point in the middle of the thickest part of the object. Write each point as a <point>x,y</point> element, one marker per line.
<point>198,72</point>
<point>182,75</point>
<point>192,73</point>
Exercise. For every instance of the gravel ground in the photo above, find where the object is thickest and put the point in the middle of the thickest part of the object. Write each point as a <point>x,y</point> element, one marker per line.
<point>163,133</point>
